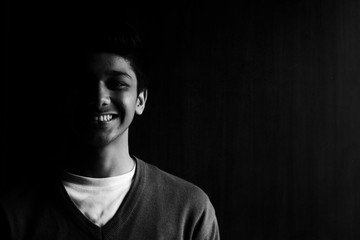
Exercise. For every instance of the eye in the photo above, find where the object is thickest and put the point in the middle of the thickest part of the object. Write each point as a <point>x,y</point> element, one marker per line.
<point>116,84</point>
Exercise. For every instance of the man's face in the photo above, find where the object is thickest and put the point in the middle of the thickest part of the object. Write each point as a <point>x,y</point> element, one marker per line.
<point>104,99</point>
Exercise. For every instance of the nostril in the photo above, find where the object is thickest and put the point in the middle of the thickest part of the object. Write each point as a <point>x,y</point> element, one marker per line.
<point>104,101</point>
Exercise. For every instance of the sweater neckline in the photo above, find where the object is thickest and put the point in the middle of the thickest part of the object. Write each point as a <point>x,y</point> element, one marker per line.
<point>123,213</point>
<point>95,183</point>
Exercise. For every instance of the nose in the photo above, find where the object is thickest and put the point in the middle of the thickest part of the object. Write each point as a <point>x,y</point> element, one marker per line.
<point>103,96</point>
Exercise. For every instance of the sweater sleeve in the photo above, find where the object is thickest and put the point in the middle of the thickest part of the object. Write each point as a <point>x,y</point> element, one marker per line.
<point>207,225</point>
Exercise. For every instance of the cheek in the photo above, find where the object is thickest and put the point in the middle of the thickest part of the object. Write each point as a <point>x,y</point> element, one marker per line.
<point>125,102</point>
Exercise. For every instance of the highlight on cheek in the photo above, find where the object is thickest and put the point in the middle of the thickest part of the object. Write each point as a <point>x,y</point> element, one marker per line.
<point>128,99</point>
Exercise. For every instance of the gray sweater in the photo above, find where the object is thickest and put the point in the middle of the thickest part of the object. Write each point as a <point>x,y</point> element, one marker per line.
<point>157,206</point>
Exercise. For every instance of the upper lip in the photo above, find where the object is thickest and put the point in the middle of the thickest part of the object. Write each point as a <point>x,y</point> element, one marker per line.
<point>98,114</point>
<point>104,113</point>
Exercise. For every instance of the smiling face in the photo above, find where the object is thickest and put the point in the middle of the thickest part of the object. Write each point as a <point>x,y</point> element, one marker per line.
<point>105,99</point>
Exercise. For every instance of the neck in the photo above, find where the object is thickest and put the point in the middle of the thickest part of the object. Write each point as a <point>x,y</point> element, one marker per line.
<point>110,160</point>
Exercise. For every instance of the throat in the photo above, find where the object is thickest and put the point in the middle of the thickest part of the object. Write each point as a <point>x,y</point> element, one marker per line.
<point>100,162</point>
<point>110,168</point>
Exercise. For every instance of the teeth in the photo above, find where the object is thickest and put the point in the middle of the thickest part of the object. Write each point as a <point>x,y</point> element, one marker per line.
<point>103,118</point>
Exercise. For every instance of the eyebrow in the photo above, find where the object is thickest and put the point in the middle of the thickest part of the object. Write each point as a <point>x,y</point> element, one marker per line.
<point>115,73</point>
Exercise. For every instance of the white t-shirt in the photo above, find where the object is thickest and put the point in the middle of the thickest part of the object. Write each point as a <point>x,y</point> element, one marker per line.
<point>98,198</point>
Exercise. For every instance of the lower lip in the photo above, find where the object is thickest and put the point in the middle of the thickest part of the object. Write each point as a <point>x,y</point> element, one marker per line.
<point>102,123</point>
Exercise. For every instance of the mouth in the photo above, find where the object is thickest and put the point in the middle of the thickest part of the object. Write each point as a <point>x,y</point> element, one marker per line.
<point>103,118</point>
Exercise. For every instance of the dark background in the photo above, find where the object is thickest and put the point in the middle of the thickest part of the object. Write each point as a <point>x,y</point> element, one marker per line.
<point>255,102</point>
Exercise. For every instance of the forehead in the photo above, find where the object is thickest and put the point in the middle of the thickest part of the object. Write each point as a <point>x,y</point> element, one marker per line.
<point>99,62</point>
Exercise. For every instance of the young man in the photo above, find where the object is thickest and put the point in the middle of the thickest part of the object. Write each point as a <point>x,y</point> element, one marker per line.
<point>104,192</point>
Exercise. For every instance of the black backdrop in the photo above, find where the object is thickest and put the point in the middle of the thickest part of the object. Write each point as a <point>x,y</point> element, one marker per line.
<point>257,103</point>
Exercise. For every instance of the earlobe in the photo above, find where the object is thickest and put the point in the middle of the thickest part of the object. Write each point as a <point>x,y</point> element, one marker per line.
<point>140,102</point>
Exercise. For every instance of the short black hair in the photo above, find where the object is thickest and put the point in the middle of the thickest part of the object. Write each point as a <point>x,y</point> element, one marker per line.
<point>120,38</point>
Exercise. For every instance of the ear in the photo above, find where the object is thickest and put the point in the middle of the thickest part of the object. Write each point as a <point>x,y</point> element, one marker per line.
<point>140,102</point>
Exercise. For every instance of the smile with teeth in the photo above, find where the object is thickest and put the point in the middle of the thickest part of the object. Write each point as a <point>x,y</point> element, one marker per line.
<point>103,118</point>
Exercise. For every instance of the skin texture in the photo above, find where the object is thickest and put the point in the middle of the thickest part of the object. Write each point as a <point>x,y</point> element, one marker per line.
<point>104,84</point>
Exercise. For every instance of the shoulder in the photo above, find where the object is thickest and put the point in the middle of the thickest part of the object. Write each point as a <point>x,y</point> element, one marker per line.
<point>17,206</point>
<point>184,201</point>
<point>24,200</point>
<point>20,196</point>
<point>168,183</point>
<point>169,180</point>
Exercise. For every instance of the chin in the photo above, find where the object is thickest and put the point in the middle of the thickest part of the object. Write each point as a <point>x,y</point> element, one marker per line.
<point>102,139</point>
<point>99,138</point>
<point>98,141</point>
